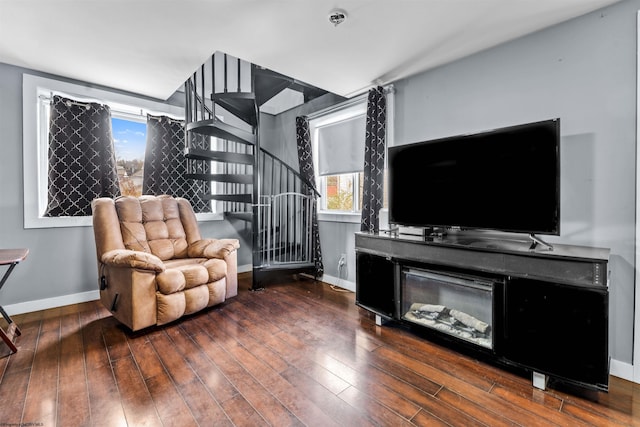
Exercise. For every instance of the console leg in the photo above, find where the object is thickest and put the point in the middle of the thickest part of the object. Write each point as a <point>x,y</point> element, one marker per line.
<point>540,380</point>
<point>380,320</point>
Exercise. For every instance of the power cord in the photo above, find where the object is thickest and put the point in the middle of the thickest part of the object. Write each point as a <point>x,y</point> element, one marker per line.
<point>341,264</point>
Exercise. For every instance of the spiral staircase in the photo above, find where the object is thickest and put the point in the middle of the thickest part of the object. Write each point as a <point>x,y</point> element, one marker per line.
<point>223,99</point>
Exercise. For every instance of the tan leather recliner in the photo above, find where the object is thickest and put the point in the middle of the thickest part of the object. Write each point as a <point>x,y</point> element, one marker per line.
<point>153,265</point>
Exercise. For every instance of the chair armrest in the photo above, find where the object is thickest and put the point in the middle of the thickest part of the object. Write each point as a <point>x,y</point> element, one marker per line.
<point>212,248</point>
<point>133,259</point>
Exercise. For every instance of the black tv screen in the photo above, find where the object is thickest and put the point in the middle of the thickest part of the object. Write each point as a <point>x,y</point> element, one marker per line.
<point>505,179</point>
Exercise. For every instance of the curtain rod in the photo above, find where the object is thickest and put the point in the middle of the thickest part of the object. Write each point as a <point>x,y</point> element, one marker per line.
<point>167,118</point>
<point>86,104</point>
<point>69,102</point>
<point>347,103</point>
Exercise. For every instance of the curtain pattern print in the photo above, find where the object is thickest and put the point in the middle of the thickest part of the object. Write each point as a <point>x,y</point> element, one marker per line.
<point>82,161</point>
<point>165,165</point>
<point>305,160</point>
<point>374,153</point>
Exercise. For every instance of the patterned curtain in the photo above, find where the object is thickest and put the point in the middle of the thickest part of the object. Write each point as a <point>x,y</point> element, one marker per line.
<point>165,165</point>
<point>305,160</point>
<point>82,161</point>
<point>374,152</point>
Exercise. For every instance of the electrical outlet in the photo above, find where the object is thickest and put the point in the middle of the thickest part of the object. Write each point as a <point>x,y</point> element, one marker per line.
<point>343,260</point>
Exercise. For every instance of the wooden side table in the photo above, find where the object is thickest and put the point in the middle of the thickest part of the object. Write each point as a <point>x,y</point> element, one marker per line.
<point>10,257</point>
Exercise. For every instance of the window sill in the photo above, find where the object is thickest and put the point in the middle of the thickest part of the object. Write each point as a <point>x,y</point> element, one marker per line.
<point>348,217</point>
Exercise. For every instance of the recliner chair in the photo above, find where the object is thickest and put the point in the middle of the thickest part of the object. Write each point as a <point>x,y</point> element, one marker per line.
<point>153,265</point>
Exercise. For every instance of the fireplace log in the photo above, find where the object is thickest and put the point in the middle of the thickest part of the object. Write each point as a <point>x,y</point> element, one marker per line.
<point>431,308</point>
<point>469,320</point>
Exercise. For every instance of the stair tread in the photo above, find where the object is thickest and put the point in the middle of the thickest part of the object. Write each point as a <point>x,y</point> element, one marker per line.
<point>221,156</point>
<point>218,177</point>
<point>233,95</point>
<point>217,128</point>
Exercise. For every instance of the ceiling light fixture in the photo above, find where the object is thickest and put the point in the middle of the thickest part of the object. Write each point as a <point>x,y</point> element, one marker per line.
<point>337,17</point>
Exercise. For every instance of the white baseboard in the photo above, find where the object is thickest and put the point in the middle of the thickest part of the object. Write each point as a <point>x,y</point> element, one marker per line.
<point>245,268</point>
<point>621,370</point>
<point>44,304</point>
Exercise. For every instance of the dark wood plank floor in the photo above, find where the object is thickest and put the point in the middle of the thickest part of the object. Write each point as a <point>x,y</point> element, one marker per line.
<point>298,353</point>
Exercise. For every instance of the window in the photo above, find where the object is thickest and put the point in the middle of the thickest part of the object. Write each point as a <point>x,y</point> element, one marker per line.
<point>338,139</point>
<point>338,147</point>
<point>342,193</point>
<point>129,141</point>
<point>127,110</point>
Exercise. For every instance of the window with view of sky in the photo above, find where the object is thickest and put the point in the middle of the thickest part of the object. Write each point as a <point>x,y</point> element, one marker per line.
<point>129,140</point>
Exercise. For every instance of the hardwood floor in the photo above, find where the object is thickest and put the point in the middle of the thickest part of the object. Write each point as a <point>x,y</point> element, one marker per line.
<point>298,353</point>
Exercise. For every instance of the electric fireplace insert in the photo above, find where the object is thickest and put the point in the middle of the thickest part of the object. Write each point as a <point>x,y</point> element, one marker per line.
<point>455,304</point>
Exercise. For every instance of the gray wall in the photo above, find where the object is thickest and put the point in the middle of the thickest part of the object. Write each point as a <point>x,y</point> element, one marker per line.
<point>583,71</point>
<point>61,260</point>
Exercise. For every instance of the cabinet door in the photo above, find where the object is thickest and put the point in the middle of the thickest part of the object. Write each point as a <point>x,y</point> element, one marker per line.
<point>375,290</point>
<point>558,330</point>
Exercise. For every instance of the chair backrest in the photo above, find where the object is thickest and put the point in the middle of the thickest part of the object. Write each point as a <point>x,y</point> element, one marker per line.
<point>161,225</point>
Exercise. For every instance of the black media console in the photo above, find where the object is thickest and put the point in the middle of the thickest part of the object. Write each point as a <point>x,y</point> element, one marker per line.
<point>540,310</point>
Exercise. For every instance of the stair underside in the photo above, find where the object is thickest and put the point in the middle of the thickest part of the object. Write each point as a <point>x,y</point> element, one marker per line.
<point>240,104</point>
<point>268,83</point>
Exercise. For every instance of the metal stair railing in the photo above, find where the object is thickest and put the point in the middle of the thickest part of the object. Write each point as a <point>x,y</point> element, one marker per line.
<point>287,239</point>
<point>282,201</point>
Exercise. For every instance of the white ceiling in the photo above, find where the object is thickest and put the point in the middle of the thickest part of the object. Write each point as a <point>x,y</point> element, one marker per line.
<point>151,47</point>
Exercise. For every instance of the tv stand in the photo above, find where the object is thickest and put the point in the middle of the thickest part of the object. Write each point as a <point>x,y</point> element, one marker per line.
<point>544,312</point>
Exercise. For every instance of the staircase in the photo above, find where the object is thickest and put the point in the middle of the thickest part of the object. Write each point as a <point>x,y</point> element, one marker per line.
<point>222,113</point>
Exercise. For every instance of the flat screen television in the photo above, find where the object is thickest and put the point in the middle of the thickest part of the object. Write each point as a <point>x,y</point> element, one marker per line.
<point>505,179</point>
